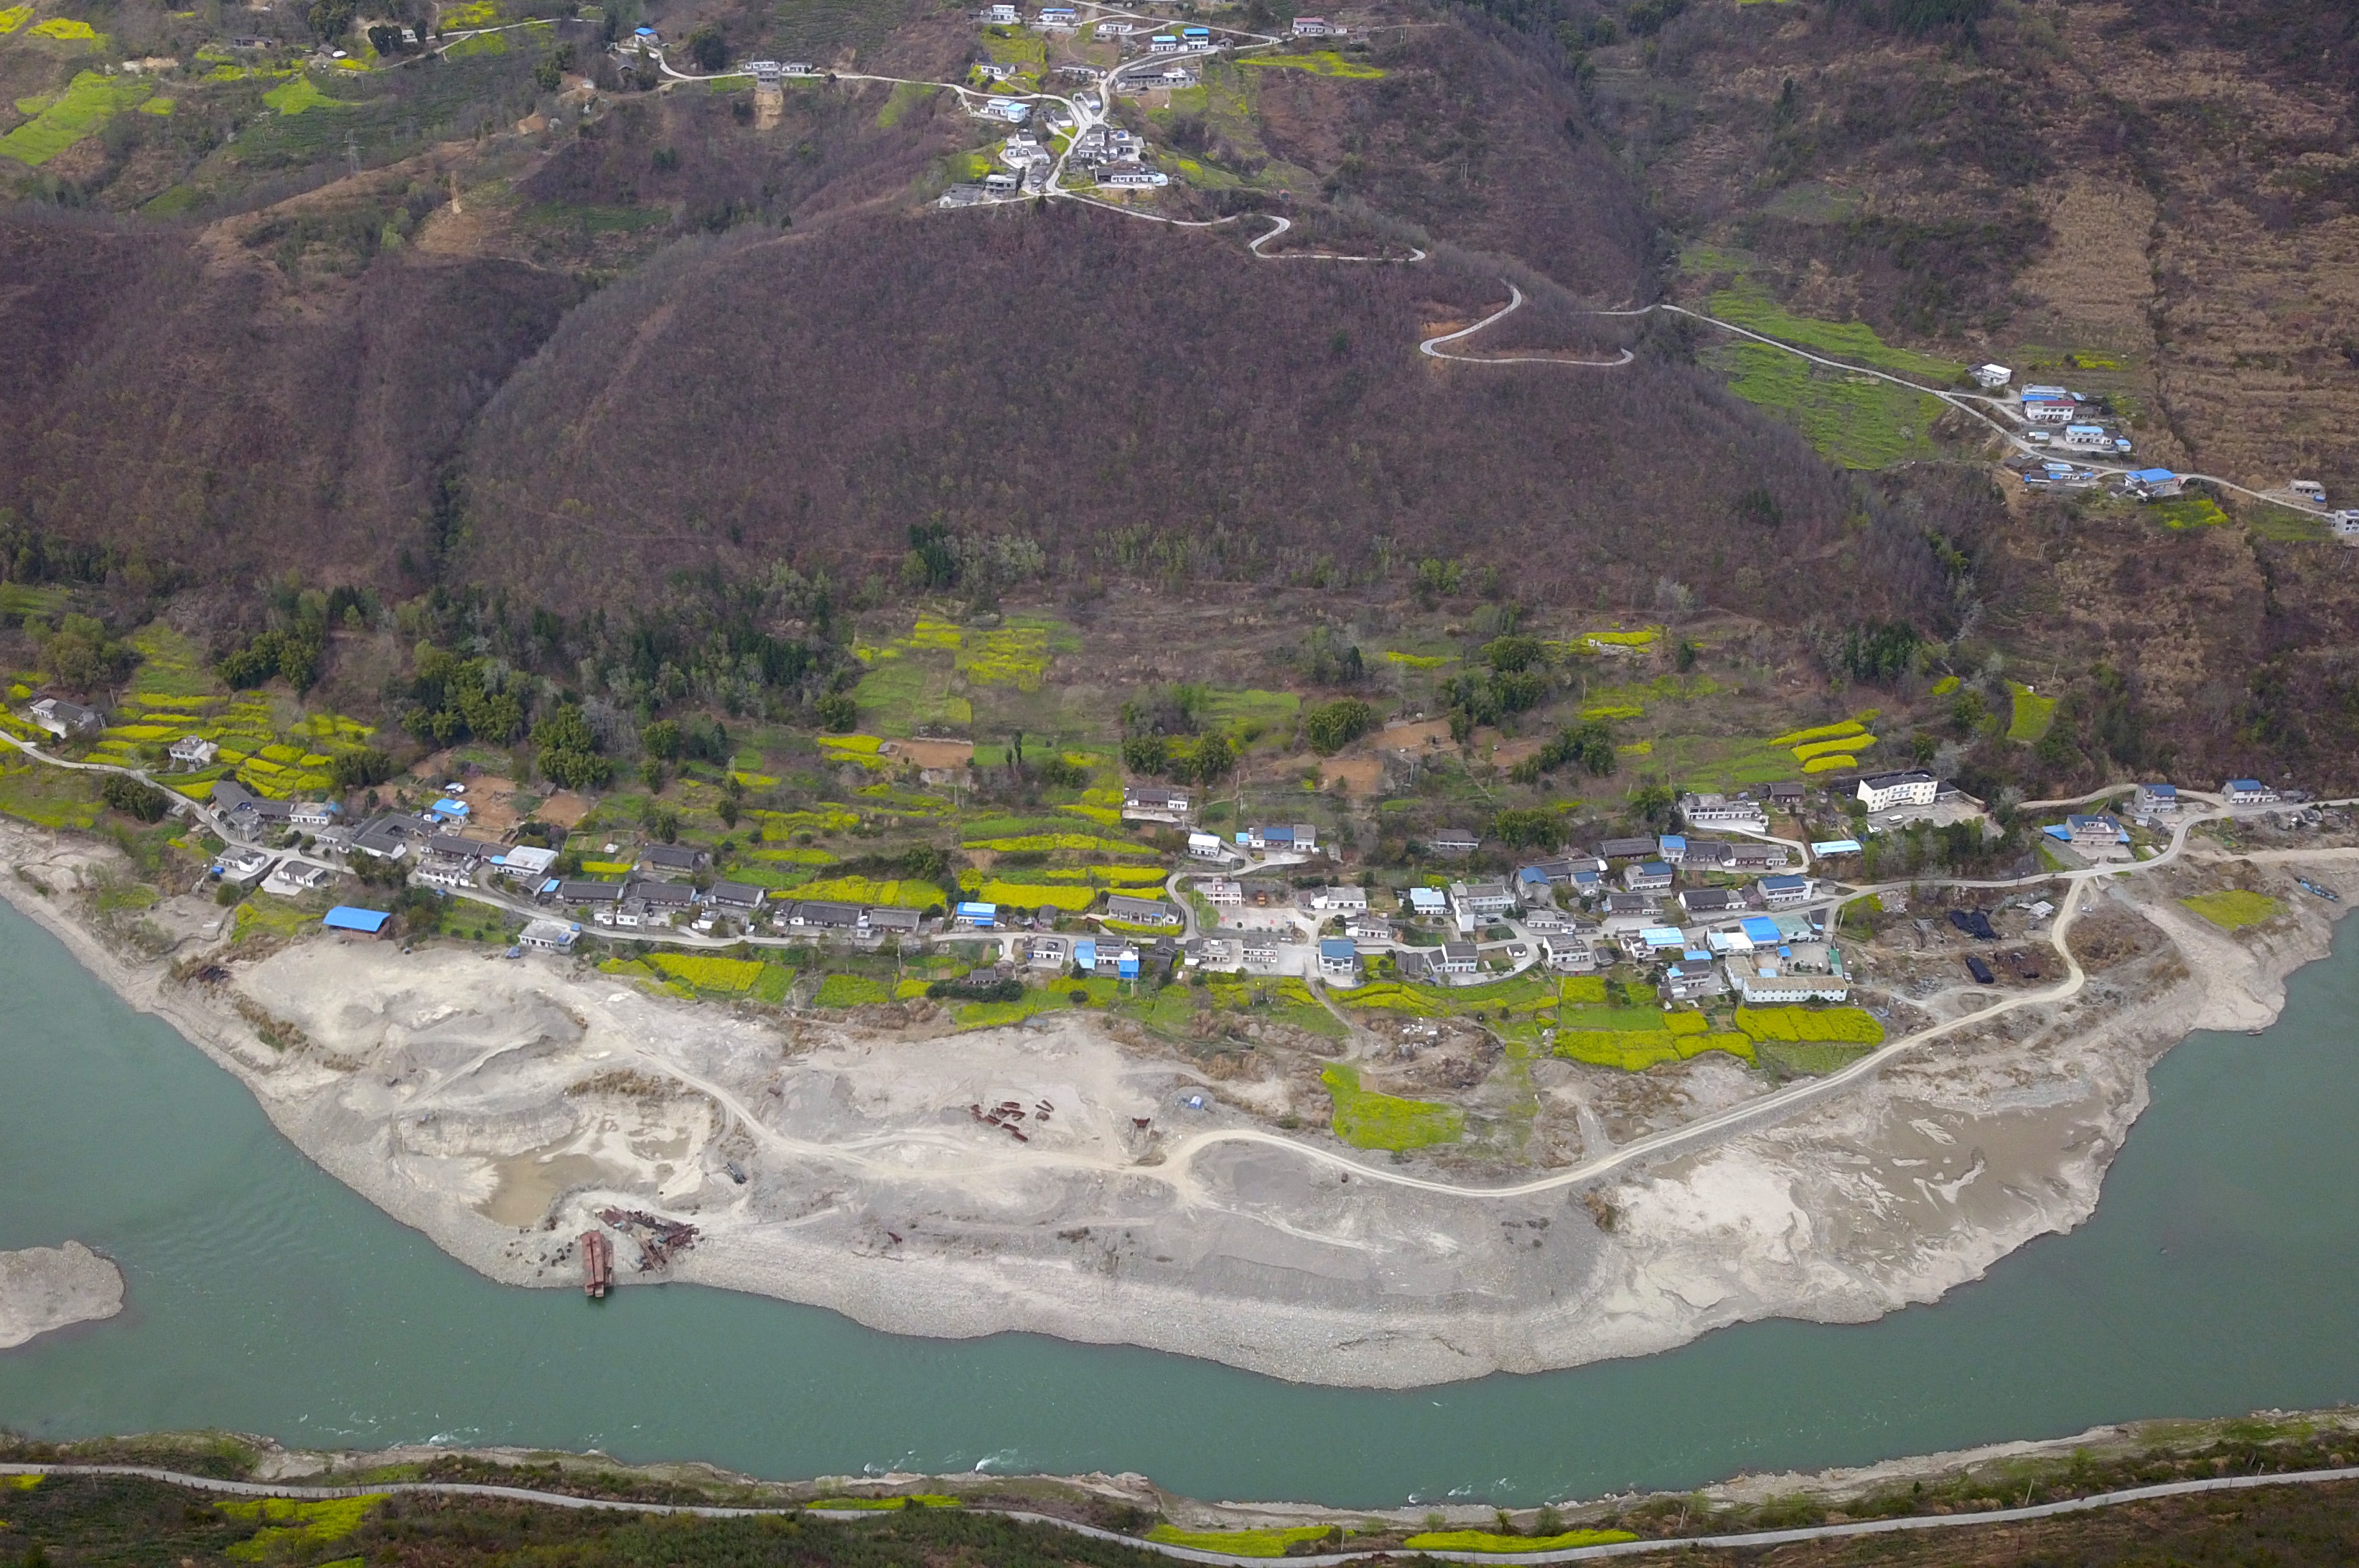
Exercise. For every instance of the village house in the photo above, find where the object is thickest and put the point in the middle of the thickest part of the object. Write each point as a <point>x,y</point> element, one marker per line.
<point>2247,792</point>
<point>1475,902</point>
<point>242,867</point>
<point>1747,857</point>
<point>194,751</point>
<point>1724,811</point>
<point>664,901</point>
<point>1547,919</point>
<point>1454,841</point>
<point>1047,951</point>
<point>1648,877</point>
<point>1339,960</point>
<point>1315,27</point>
<point>590,894</point>
<point>1221,890</point>
<point>2153,799</point>
<point>1567,954</point>
<point>1776,892</point>
<point>1691,979</point>
<point>672,860</point>
<point>1458,959</point>
<point>1211,953</point>
<point>1259,952</point>
<point>1299,837</point>
<point>1365,927</point>
<point>1140,912</point>
<point>66,720</point>
<point>824,915</point>
<point>1155,803</point>
<point>317,814</point>
<point>997,15</point>
<point>445,870</point>
<point>2093,833</point>
<point>973,916</point>
<point>743,900</point>
<point>1881,792</point>
<point>1207,846</point>
<point>1671,849</point>
<point>1761,985</point>
<point>1628,906</point>
<point>1992,377</point>
<point>1788,796</point>
<point>883,920</point>
<point>1339,900</point>
<point>549,936</point>
<point>1427,902</point>
<point>1627,849</point>
<point>1163,43</point>
<point>249,813</point>
<point>1704,901</point>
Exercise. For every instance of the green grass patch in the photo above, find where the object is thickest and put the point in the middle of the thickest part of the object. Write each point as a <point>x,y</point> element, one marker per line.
<point>1858,422</point>
<point>300,94</point>
<point>2033,713</point>
<point>905,96</point>
<point>87,103</point>
<point>479,44</point>
<point>589,217</point>
<point>1484,1540</point>
<point>1365,1119</point>
<point>1750,307</point>
<point>2233,909</point>
<point>48,797</point>
<point>1811,1058</point>
<point>1238,1542</point>
<point>1323,62</point>
<point>22,599</point>
<point>851,991</point>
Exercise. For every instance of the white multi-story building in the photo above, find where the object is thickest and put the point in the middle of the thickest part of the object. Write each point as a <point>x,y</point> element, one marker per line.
<point>1881,792</point>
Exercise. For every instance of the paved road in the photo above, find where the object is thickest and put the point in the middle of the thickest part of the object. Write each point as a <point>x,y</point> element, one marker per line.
<point>1909,1524</point>
<point>1432,347</point>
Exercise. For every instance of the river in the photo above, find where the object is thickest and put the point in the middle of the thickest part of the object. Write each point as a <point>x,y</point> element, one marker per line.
<point>265,1297</point>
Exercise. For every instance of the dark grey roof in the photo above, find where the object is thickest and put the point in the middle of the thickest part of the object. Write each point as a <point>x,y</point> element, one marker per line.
<point>895,919</point>
<point>673,895</point>
<point>467,848</point>
<point>1628,848</point>
<point>676,857</point>
<point>590,892</point>
<point>742,894</point>
<point>818,912</point>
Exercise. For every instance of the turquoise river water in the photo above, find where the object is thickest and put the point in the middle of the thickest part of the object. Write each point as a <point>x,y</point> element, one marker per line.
<point>2216,1277</point>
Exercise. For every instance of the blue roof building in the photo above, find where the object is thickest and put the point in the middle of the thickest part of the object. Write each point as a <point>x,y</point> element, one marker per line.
<point>983,916</point>
<point>345,917</point>
<point>1760,930</point>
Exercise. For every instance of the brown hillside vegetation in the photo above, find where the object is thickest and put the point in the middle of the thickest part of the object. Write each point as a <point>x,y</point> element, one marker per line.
<point>1131,397</point>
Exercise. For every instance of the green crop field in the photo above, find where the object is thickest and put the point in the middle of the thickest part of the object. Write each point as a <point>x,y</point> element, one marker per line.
<point>1830,1026</point>
<point>1748,307</point>
<point>2033,713</point>
<point>1365,1119</point>
<point>1811,1059</point>
<point>1238,1542</point>
<point>1484,1540</point>
<point>2233,909</point>
<point>298,95</point>
<point>851,991</point>
<point>87,103</point>
<point>1858,420</point>
<point>1324,62</point>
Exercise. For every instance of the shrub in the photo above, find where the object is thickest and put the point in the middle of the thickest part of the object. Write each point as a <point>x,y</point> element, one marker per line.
<point>1336,726</point>
<point>360,768</point>
<point>838,713</point>
<point>134,799</point>
<point>1009,990</point>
